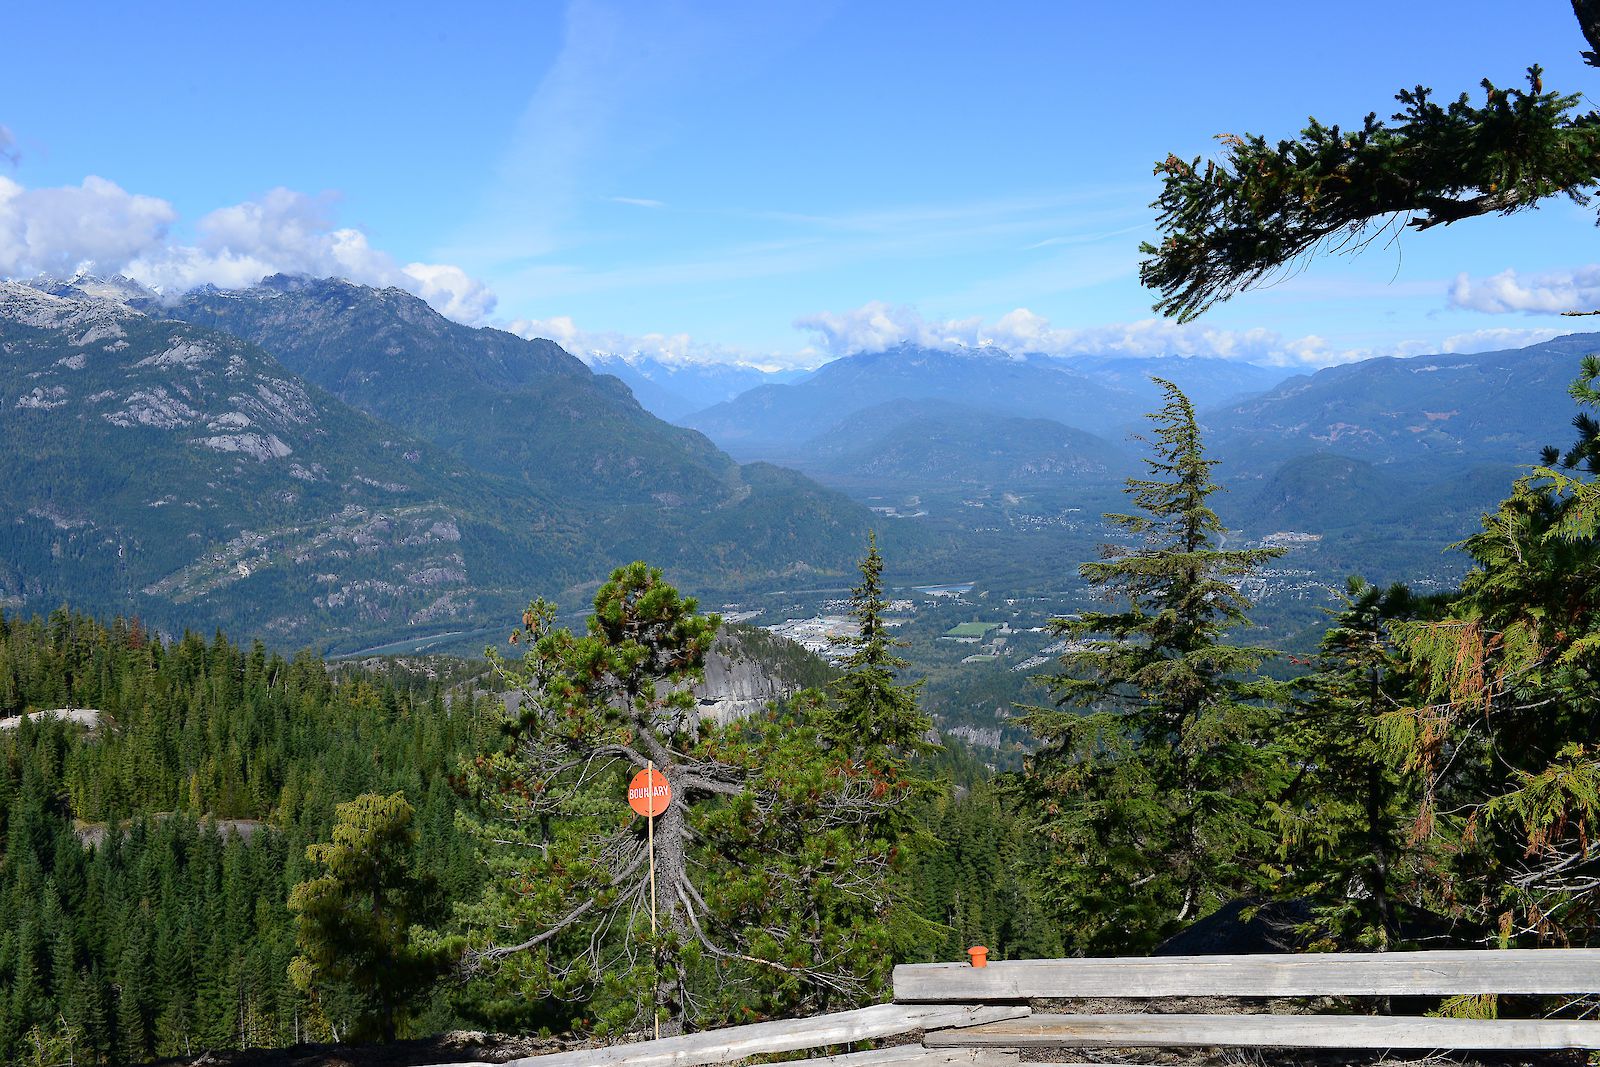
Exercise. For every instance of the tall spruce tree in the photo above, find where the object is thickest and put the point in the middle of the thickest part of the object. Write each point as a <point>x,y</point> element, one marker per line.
<point>818,846</point>
<point>875,716</point>
<point>1153,768</point>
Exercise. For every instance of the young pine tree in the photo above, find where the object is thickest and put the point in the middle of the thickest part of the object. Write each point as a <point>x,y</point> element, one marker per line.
<point>1151,772</point>
<point>772,859</point>
<point>354,921</point>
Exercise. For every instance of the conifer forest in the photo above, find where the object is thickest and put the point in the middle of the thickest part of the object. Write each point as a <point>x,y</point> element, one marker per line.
<point>539,649</point>
<point>247,850</point>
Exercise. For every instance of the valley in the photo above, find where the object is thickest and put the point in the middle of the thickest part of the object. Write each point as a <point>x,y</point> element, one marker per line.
<point>309,494</point>
<point>629,531</point>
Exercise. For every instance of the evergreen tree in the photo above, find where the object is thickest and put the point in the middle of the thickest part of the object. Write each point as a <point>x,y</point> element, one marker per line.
<point>872,714</point>
<point>1346,819</point>
<point>593,710</point>
<point>1501,727</point>
<point>1152,771</point>
<point>818,846</point>
<point>771,861</point>
<point>354,921</point>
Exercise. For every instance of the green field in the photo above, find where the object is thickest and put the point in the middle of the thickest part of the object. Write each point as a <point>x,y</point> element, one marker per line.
<point>971,629</point>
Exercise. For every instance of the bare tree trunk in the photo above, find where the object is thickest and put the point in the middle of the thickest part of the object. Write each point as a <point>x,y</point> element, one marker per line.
<point>672,871</point>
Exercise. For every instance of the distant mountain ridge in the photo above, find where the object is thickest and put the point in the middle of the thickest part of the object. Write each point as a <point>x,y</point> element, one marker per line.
<point>672,390</point>
<point>1206,380</point>
<point>1104,396</point>
<point>774,418</point>
<point>934,444</point>
<point>1425,412</point>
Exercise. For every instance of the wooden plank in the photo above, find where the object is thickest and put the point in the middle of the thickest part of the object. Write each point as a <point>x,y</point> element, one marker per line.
<point>915,1056</point>
<point>1272,1031</point>
<point>1436,973</point>
<point>780,1035</point>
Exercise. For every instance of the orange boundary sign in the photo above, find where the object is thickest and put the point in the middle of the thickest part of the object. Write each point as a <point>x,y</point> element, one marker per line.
<point>649,793</point>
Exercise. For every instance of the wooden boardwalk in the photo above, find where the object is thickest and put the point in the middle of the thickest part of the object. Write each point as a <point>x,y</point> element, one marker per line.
<point>981,1017</point>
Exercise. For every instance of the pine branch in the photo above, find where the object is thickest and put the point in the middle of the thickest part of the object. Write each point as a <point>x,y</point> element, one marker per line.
<point>1260,209</point>
<point>1588,13</point>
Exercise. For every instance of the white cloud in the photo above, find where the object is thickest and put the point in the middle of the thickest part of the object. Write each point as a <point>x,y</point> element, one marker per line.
<point>453,292</point>
<point>1552,292</point>
<point>876,326</point>
<point>1497,339</point>
<point>58,230</point>
<point>100,227</point>
<point>673,349</point>
<point>8,146</point>
<point>636,201</point>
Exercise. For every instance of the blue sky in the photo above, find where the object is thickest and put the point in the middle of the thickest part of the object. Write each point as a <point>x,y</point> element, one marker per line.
<point>768,182</point>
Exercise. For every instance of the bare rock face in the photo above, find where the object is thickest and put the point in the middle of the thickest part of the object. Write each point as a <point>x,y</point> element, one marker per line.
<point>736,687</point>
<point>747,669</point>
<point>744,673</point>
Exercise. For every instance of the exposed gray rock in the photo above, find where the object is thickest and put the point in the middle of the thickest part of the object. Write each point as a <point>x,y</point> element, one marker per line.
<point>87,717</point>
<point>735,688</point>
<point>251,444</point>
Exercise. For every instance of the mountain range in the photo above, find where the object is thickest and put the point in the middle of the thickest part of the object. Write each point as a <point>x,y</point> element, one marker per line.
<point>672,390</point>
<point>321,462</point>
<point>316,460</point>
<point>1422,413</point>
<point>1104,396</point>
<point>890,419</point>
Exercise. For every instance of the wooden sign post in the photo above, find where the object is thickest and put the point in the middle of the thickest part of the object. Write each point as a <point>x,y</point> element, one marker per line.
<point>649,794</point>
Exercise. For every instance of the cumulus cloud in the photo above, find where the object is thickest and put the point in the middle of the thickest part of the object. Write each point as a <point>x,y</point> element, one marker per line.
<point>674,349</point>
<point>1553,292</point>
<point>100,227</point>
<point>1497,338</point>
<point>876,326</point>
<point>58,230</point>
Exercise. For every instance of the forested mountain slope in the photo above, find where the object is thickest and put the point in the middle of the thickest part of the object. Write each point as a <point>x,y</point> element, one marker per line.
<point>1443,411</point>
<point>505,405</point>
<point>163,468</point>
<point>932,444</point>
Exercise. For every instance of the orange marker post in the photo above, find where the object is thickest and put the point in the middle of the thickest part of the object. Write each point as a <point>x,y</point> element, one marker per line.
<point>649,794</point>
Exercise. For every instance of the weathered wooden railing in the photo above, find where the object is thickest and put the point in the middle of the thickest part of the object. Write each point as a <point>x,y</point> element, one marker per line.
<point>981,1015</point>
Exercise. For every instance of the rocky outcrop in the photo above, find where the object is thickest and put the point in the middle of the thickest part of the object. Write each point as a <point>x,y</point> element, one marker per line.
<point>742,676</point>
<point>736,687</point>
